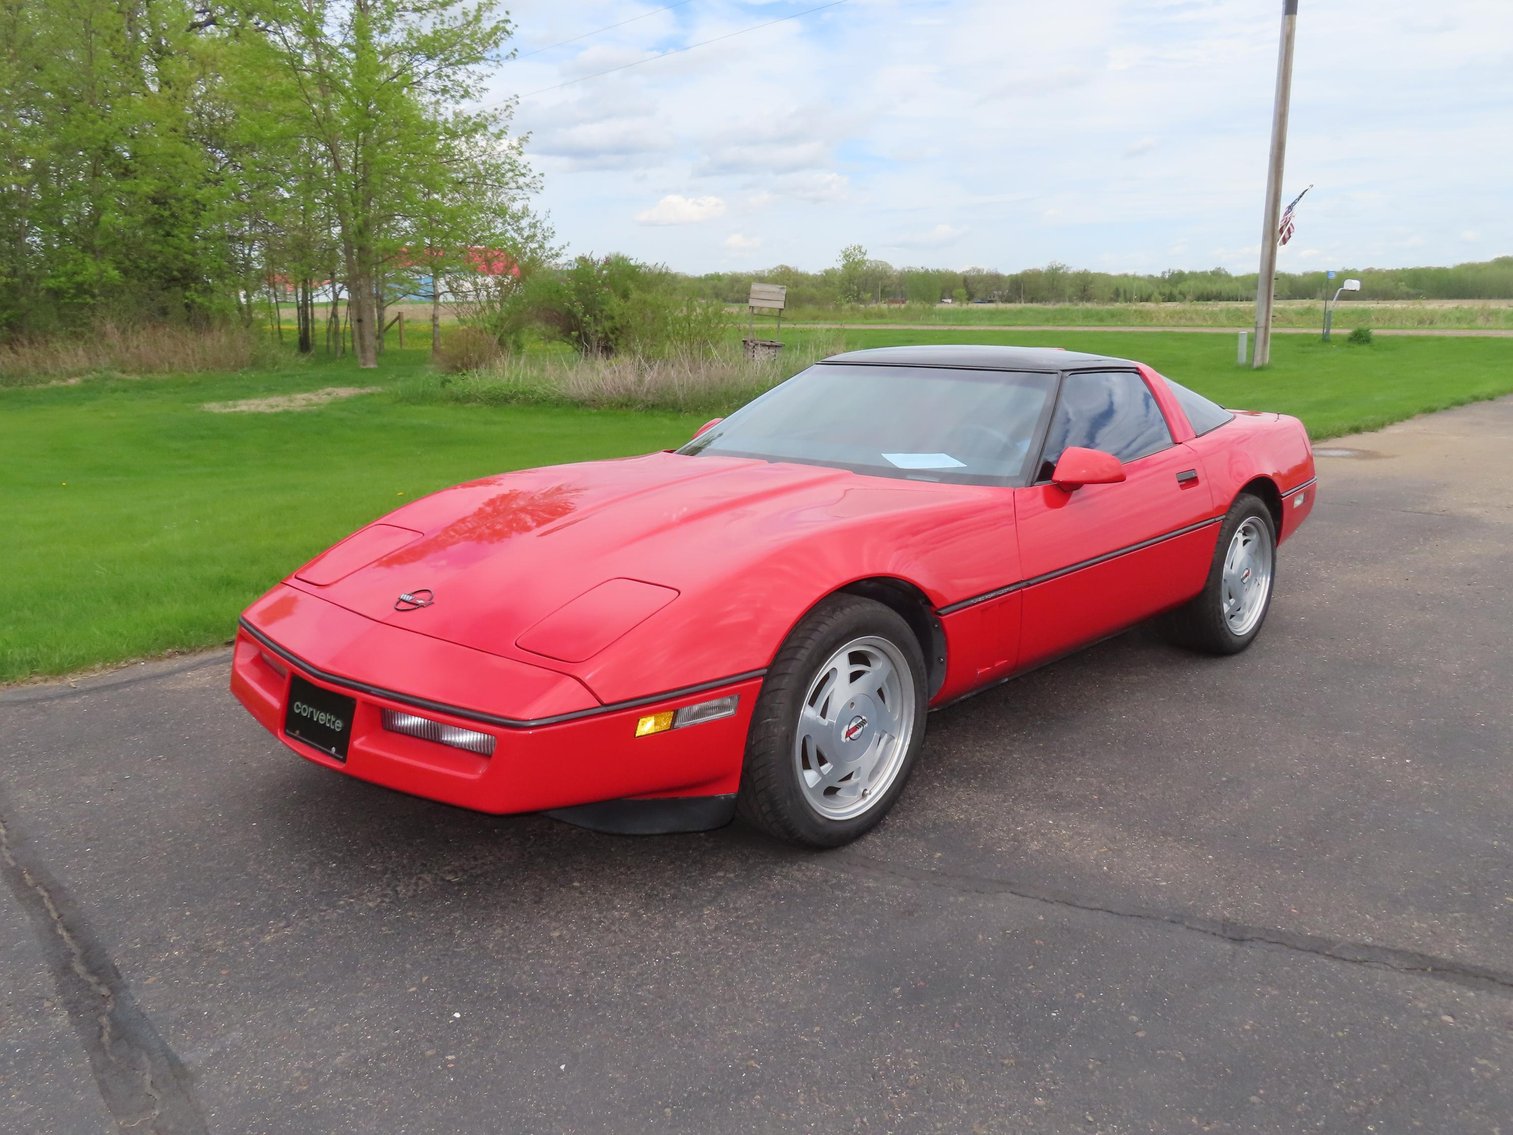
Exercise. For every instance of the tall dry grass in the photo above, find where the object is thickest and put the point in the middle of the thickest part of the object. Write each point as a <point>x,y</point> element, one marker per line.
<point>146,349</point>
<point>685,382</point>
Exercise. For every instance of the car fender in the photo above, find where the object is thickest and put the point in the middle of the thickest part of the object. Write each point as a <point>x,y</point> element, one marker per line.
<point>734,622</point>
<point>1269,447</point>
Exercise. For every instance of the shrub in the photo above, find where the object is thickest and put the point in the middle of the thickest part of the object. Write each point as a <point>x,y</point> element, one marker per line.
<point>666,325</point>
<point>611,306</point>
<point>467,349</point>
<point>1361,335</point>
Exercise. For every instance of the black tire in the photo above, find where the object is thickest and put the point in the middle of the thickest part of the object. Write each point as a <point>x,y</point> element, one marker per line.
<point>1228,613</point>
<point>795,784</point>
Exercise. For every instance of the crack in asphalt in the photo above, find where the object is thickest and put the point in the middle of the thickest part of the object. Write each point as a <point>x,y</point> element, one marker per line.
<point>142,1082</point>
<point>1410,962</point>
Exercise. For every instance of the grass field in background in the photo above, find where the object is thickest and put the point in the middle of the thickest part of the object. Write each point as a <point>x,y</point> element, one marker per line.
<point>139,523</point>
<point>1305,314</point>
<point>1448,315</point>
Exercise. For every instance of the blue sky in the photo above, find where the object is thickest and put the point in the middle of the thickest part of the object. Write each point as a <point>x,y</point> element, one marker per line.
<point>1119,135</point>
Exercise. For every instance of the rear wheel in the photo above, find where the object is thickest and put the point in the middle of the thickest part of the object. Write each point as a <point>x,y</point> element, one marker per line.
<point>1227,615</point>
<point>839,723</point>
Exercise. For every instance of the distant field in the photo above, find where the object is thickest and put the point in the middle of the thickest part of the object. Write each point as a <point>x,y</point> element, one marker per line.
<point>1465,315</point>
<point>138,523</point>
<point>1309,314</point>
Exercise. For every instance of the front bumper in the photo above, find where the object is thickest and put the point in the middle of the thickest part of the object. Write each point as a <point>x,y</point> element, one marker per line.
<point>555,746</point>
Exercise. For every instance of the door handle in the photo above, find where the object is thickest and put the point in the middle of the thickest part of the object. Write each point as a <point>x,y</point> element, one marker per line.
<point>1187,477</point>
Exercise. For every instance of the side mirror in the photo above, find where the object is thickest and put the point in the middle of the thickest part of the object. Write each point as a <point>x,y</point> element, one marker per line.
<point>1079,467</point>
<point>707,426</point>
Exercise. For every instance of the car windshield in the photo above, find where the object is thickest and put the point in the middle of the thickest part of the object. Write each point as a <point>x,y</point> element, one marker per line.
<point>924,423</point>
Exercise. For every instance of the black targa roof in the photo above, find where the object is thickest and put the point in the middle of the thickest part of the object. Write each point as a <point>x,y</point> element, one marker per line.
<point>979,357</point>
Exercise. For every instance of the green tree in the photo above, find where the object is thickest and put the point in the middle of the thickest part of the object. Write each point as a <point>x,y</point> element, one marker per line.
<point>377,87</point>
<point>853,273</point>
<point>479,238</point>
<point>111,108</point>
<point>921,285</point>
<point>983,284</point>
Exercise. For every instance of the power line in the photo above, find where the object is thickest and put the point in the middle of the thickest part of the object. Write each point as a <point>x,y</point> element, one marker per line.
<point>689,47</point>
<point>609,28</point>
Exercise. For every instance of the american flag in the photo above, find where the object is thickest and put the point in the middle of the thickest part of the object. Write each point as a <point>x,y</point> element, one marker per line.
<point>1285,229</point>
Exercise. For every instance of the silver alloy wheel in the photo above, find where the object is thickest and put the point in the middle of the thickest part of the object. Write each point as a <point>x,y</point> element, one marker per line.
<point>1247,576</point>
<point>854,728</point>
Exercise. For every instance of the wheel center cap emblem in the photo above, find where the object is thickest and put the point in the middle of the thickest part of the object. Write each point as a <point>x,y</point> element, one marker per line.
<point>414,600</point>
<point>853,728</point>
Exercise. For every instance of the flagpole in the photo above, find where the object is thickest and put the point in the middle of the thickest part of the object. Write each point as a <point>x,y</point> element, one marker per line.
<point>1266,280</point>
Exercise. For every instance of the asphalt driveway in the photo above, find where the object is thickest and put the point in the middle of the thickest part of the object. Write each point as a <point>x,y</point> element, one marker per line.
<point>1135,891</point>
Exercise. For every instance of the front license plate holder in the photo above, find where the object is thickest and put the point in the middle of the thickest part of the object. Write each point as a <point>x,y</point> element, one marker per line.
<point>320,718</point>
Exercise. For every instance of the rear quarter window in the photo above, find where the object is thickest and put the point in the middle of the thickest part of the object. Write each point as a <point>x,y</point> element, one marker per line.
<point>1202,414</point>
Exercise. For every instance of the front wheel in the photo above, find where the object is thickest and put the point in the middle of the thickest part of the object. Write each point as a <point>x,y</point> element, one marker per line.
<point>839,723</point>
<point>1227,615</point>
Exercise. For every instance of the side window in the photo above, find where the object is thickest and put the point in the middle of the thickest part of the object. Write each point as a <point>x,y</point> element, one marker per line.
<point>1109,410</point>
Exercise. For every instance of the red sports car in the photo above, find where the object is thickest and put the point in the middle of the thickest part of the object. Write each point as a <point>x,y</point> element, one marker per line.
<point>760,620</point>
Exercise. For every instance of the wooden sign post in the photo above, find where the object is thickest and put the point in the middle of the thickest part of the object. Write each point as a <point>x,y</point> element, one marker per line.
<point>765,297</point>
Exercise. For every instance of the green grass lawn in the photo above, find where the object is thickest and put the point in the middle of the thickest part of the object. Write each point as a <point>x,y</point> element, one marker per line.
<point>138,523</point>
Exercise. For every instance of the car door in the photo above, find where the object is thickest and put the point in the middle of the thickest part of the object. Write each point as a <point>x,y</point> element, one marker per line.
<point>1101,557</point>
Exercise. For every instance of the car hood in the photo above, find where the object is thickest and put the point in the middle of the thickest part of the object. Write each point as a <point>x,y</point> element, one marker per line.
<point>553,565</point>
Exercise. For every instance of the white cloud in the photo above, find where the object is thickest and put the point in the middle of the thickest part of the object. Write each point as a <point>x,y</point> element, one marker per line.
<point>816,188</point>
<point>675,209</point>
<point>604,145</point>
<point>739,242</point>
<point>762,159</point>
<point>1136,128</point>
<point>938,237</point>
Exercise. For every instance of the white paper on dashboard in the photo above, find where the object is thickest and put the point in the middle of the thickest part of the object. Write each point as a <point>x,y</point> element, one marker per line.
<point>924,461</point>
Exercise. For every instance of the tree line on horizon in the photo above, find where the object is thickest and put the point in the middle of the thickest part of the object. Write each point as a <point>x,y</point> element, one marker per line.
<point>860,279</point>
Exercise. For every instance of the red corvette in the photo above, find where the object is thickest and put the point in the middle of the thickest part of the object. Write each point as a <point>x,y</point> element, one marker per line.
<point>761,619</point>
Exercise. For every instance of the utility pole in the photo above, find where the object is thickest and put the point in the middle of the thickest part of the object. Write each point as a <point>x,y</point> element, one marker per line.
<point>1266,281</point>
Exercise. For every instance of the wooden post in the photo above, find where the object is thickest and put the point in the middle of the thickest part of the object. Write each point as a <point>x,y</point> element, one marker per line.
<point>765,297</point>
